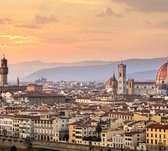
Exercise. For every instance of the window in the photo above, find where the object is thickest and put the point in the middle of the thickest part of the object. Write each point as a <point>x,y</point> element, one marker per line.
<point>156,142</point>
<point>164,142</point>
<point>151,141</point>
<point>164,135</point>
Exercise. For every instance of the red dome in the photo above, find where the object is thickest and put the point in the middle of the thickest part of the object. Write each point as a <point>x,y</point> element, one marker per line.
<point>162,74</point>
<point>111,82</point>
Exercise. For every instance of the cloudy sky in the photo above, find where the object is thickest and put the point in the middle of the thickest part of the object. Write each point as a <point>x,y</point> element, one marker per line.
<point>77,30</point>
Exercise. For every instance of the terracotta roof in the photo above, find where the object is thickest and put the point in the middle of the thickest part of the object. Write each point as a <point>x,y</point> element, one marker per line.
<point>162,73</point>
<point>158,126</point>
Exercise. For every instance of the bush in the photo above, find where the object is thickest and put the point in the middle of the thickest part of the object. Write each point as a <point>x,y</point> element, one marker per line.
<point>13,148</point>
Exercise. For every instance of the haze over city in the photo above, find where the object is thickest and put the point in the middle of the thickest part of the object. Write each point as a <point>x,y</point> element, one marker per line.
<point>76,30</point>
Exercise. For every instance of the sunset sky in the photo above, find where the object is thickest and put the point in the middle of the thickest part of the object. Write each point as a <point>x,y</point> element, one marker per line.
<point>77,30</point>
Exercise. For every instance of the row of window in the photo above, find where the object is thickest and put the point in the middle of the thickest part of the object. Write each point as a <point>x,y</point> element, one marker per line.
<point>117,139</point>
<point>156,130</point>
<point>44,131</point>
<point>156,135</point>
<point>155,142</point>
<point>6,122</point>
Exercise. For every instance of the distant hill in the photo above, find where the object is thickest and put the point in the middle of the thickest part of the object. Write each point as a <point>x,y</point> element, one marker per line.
<point>139,69</point>
<point>146,75</point>
<point>26,68</point>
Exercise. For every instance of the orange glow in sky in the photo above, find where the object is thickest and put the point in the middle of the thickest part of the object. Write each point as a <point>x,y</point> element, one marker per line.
<point>77,30</point>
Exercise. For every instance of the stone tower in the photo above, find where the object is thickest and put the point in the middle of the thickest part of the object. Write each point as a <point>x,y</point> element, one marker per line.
<point>18,81</point>
<point>130,86</point>
<point>4,71</point>
<point>122,85</point>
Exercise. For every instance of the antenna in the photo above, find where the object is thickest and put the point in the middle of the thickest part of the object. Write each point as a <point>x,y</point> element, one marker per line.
<point>113,73</point>
<point>2,49</point>
<point>121,61</point>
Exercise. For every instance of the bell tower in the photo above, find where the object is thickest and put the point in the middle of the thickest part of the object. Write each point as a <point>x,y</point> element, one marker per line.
<point>4,71</point>
<point>122,85</point>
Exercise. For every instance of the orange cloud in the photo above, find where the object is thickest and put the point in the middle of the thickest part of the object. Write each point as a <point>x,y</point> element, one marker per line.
<point>17,39</point>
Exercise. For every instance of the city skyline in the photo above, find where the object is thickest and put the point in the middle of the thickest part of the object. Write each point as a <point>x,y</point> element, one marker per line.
<point>78,30</point>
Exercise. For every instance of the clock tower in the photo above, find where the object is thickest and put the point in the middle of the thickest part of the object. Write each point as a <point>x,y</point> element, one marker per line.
<point>4,71</point>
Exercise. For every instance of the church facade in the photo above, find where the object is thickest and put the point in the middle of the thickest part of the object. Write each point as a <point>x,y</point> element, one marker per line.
<point>132,87</point>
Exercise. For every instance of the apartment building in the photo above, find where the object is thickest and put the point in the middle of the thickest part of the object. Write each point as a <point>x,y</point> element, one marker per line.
<point>43,128</point>
<point>60,128</point>
<point>79,130</point>
<point>6,126</point>
<point>132,139</point>
<point>26,125</point>
<point>157,137</point>
<point>121,115</point>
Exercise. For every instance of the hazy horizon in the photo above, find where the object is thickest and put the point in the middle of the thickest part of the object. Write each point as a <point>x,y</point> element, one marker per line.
<point>45,62</point>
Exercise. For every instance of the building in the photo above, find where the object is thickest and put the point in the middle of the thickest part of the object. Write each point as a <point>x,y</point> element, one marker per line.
<point>6,126</point>
<point>39,98</point>
<point>34,87</point>
<point>157,137</point>
<point>60,128</point>
<point>122,79</point>
<point>121,115</point>
<point>141,87</point>
<point>162,79</point>
<point>132,87</point>
<point>43,128</point>
<point>82,129</point>
<point>4,87</point>
<point>132,139</point>
<point>4,71</point>
<point>112,85</point>
<point>117,141</point>
<point>26,126</point>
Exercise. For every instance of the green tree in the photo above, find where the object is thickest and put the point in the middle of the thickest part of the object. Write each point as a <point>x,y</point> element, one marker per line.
<point>66,136</point>
<point>98,129</point>
<point>4,132</point>
<point>13,148</point>
<point>28,143</point>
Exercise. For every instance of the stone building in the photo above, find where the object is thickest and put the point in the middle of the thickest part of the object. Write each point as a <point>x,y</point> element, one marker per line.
<point>132,87</point>
<point>162,79</point>
<point>4,71</point>
<point>4,87</point>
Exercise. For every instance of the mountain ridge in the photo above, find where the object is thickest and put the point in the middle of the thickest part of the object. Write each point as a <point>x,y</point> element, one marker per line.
<point>139,69</point>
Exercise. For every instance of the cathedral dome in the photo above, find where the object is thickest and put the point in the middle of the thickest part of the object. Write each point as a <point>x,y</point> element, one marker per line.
<point>112,82</point>
<point>162,74</point>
